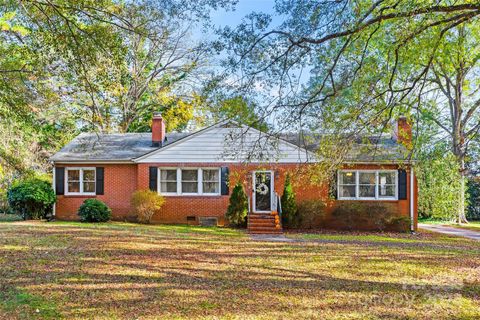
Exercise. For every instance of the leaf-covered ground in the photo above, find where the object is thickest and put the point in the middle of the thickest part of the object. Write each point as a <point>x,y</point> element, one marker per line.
<point>126,271</point>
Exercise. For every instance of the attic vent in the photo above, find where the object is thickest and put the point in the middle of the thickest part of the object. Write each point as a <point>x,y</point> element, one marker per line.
<point>208,221</point>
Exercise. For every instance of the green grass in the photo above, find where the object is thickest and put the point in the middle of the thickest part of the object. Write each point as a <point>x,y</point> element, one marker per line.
<point>129,271</point>
<point>27,306</point>
<point>9,217</point>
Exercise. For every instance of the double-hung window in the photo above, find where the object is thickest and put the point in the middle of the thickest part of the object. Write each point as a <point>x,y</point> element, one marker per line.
<point>211,181</point>
<point>80,181</point>
<point>189,181</point>
<point>347,184</point>
<point>168,181</point>
<point>367,185</point>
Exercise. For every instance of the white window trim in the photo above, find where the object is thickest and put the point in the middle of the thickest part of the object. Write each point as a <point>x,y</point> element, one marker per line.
<point>81,193</point>
<point>199,181</point>
<point>159,181</point>
<point>377,185</point>
<point>254,197</point>
<point>200,187</point>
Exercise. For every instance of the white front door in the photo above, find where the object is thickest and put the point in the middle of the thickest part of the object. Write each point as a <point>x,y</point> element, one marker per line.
<point>263,191</point>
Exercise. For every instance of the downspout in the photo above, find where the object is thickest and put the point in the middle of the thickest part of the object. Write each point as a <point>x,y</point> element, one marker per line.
<point>412,214</point>
<point>54,190</point>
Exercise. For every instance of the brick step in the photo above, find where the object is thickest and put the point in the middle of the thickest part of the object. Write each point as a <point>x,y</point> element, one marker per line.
<point>259,218</point>
<point>262,219</point>
<point>271,228</point>
<point>261,224</point>
<point>265,232</point>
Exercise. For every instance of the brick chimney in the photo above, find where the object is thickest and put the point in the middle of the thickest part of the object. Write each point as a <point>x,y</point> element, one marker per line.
<point>158,130</point>
<point>402,131</point>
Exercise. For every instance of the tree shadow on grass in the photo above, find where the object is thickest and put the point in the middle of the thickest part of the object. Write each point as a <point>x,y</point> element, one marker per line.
<point>130,275</point>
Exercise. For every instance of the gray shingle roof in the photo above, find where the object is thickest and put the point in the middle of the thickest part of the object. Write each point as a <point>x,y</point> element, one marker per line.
<point>364,149</point>
<point>108,147</point>
<point>128,146</point>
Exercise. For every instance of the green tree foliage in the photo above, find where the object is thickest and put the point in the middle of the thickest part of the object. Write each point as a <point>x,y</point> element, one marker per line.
<point>32,198</point>
<point>289,204</point>
<point>438,185</point>
<point>94,210</point>
<point>237,210</point>
<point>473,209</point>
<point>367,62</point>
<point>68,66</point>
<point>238,109</point>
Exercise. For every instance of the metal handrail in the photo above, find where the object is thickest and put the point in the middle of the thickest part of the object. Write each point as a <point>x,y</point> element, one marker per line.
<point>279,206</point>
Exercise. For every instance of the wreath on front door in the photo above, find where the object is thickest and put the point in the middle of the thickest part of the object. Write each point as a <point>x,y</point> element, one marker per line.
<point>262,189</point>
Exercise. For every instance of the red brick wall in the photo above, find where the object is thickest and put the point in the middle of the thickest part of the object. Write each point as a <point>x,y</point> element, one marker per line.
<point>122,180</point>
<point>402,206</point>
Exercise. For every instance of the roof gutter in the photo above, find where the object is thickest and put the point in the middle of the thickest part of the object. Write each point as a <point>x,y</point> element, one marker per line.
<point>92,162</point>
<point>412,214</point>
<point>54,185</point>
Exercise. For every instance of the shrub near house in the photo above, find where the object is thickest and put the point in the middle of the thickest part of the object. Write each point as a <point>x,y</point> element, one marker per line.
<point>236,214</point>
<point>31,198</point>
<point>379,216</point>
<point>145,203</point>
<point>93,210</point>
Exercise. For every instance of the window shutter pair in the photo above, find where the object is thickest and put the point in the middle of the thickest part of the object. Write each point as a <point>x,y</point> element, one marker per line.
<point>60,180</point>
<point>224,172</point>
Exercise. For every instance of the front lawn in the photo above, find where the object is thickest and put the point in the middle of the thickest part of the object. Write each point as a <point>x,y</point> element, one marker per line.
<point>127,271</point>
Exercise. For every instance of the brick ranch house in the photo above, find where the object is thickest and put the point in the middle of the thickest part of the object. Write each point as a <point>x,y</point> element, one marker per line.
<point>196,172</point>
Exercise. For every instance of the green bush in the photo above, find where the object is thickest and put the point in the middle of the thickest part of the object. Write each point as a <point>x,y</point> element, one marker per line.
<point>145,203</point>
<point>473,209</point>
<point>401,224</point>
<point>32,198</point>
<point>289,205</point>
<point>238,208</point>
<point>310,214</point>
<point>367,215</point>
<point>93,210</point>
<point>439,185</point>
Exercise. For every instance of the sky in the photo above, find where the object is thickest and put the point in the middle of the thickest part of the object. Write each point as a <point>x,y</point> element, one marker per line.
<point>244,7</point>
<point>222,18</point>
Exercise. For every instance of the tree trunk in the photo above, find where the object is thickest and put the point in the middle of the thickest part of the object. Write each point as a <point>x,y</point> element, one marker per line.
<point>462,218</point>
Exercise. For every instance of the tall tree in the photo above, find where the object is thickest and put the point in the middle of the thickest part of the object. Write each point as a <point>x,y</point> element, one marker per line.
<point>454,77</point>
<point>103,65</point>
<point>351,66</point>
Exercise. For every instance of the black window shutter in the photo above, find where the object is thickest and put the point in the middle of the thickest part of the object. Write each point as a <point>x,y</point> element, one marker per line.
<point>402,184</point>
<point>59,180</point>
<point>152,180</point>
<point>333,190</point>
<point>100,180</point>
<point>224,181</point>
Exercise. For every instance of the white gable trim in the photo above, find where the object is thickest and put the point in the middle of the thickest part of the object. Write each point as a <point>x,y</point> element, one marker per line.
<point>310,157</point>
<point>189,137</point>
